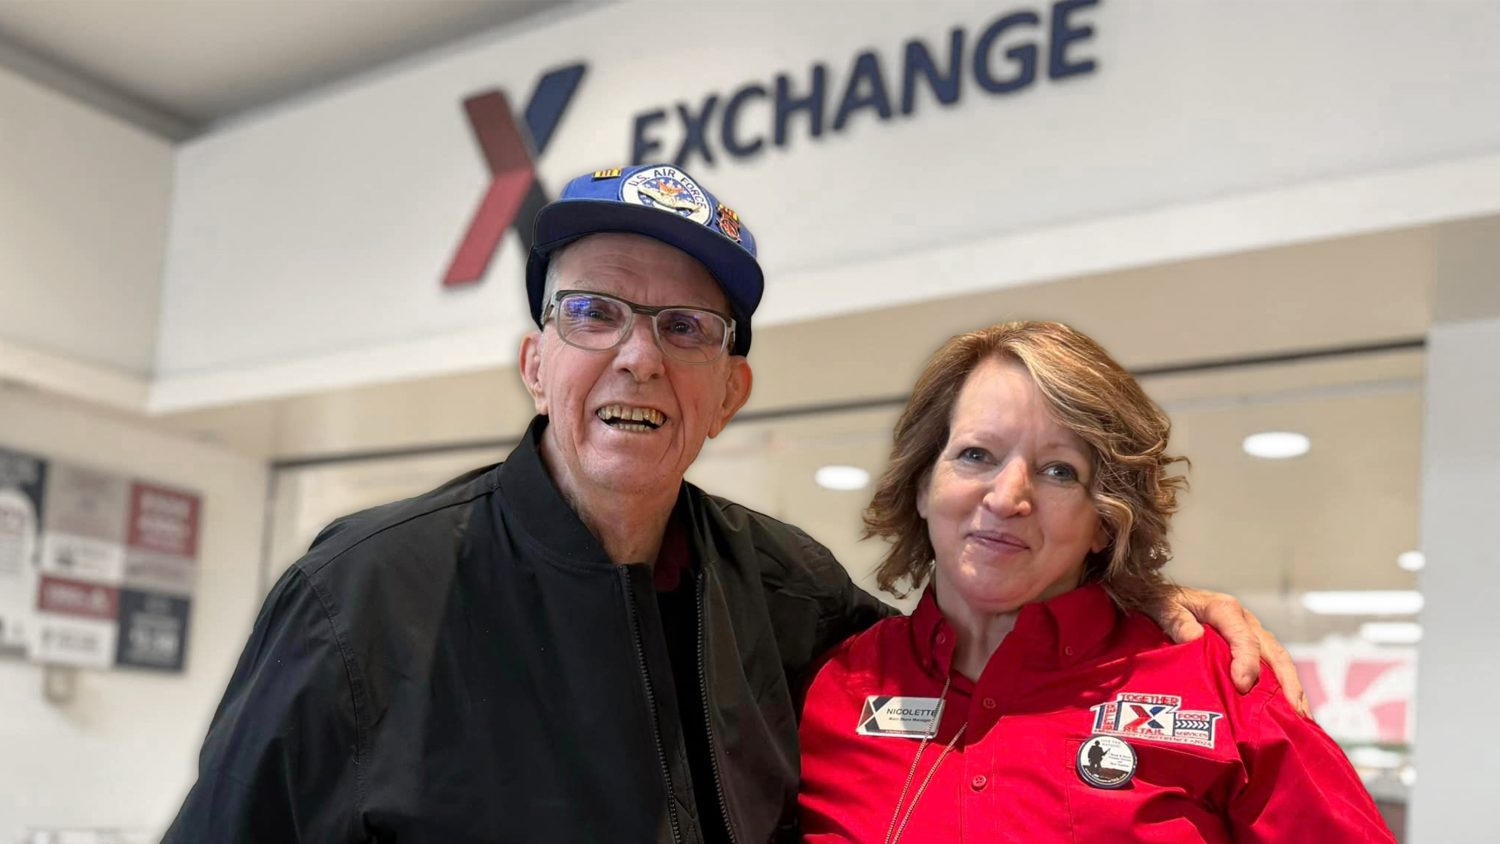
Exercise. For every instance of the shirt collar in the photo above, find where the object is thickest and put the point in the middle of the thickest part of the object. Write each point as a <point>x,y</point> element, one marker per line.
<point>1070,628</point>
<point>931,635</point>
<point>676,556</point>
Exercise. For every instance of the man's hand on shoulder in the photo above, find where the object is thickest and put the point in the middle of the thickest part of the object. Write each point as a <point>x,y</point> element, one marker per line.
<point>1183,615</point>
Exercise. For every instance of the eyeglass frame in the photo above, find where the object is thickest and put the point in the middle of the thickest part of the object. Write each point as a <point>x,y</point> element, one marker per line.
<point>549,313</point>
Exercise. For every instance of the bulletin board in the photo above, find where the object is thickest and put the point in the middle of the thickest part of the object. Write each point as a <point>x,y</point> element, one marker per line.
<point>97,569</point>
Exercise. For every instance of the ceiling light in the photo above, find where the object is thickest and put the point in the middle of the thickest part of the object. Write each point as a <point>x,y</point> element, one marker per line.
<point>842,477</point>
<point>1276,445</point>
<point>1391,632</point>
<point>1387,602</point>
<point>1411,560</point>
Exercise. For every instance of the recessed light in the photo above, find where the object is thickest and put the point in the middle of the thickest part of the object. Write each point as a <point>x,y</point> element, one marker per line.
<point>842,477</point>
<point>1276,445</point>
<point>1411,560</point>
<point>1391,632</point>
<point>1382,602</point>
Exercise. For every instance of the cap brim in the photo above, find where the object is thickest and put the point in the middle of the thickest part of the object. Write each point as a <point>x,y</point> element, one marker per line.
<point>737,273</point>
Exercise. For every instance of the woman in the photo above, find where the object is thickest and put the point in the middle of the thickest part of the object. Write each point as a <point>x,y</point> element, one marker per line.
<point>1026,698</point>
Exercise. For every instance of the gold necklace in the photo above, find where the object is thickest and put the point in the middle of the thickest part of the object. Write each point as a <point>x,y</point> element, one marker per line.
<point>893,831</point>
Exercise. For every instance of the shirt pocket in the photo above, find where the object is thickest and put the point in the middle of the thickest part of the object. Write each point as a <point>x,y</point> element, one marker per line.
<point>1173,796</point>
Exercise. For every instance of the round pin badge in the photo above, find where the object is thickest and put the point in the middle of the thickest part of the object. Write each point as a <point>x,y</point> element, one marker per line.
<point>1106,762</point>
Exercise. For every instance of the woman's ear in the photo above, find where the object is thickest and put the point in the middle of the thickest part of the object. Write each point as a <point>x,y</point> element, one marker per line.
<point>923,483</point>
<point>1102,538</point>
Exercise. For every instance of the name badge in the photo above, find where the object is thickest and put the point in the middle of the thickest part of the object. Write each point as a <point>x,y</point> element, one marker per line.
<point>900,717</point>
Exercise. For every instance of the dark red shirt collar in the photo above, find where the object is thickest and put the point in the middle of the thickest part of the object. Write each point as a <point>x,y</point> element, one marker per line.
<point>1072,627</point>
<point>676,555</point>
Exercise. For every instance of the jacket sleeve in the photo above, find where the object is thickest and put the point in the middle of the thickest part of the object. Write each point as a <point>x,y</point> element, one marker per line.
<point>1299,785</point>
<point>279,762</point>
<point>844,609</point>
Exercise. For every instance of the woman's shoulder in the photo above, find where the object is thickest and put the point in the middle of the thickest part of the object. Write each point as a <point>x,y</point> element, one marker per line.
<point>1206,660</point>
<point>861,660</point>
<point>873,645</point>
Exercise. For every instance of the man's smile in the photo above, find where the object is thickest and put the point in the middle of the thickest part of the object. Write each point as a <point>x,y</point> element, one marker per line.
<point>623,417</point>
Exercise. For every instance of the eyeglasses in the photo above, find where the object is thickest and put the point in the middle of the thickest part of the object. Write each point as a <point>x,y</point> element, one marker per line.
<point>599,322</point>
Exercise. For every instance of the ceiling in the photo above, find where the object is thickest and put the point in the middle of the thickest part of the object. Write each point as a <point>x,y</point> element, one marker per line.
<point>178,67</point>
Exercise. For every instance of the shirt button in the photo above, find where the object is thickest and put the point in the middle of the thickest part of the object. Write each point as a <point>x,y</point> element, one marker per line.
<point>1068,650</point>
<point>942,638</point>
<point>989,703</point>
<point>979,782</point>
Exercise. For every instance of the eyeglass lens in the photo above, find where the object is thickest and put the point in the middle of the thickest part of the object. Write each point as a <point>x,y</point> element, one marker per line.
<point>598,322</point>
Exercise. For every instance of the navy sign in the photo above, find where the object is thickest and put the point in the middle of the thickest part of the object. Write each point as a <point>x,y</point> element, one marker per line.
<point>153,630</point>
<point>1006,57</point>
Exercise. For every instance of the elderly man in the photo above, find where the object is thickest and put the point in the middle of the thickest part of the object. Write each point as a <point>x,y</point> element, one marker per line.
<point>574,645</point>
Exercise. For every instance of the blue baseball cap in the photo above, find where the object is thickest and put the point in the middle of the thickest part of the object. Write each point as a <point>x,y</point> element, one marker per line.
<point>661,202</point>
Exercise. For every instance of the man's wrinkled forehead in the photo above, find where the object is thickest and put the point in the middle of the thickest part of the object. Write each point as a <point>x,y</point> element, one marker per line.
<point>603,261</point>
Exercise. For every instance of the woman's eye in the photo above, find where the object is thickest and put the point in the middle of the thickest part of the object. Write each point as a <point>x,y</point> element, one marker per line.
<point>974,454</point>
<point>1061,471</point>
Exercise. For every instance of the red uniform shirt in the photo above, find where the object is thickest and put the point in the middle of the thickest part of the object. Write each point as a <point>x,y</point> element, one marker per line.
<point>1211,764</point>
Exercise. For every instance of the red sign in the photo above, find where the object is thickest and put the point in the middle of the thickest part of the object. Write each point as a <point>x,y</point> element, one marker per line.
<point>74,597</point>
<point>163,520</point>
<point>1361,697</point>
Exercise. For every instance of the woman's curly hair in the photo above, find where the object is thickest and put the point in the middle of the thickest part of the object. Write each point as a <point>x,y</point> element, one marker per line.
<point>1088,393</point>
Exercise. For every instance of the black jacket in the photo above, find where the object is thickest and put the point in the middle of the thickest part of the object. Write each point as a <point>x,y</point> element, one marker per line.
<point>469,666</point>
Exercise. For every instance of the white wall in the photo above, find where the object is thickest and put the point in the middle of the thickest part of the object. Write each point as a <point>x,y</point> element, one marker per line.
<point>1458,774</point>
<point>83,227</point>
<point>308,244</point>
<point>123,753</point>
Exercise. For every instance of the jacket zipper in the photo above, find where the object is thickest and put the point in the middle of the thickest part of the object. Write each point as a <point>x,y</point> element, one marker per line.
<point>708,724</point>
<point>640,657</point>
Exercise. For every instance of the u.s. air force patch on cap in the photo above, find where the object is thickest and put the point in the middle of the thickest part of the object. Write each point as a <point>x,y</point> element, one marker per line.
<point>1155,717</point>
<point>669,189</point>
<point>902,717</point>
<point>1106,762</point>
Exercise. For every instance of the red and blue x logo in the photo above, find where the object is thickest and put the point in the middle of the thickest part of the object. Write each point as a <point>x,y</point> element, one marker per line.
<point>1145,717</point>
<point>514,195</point>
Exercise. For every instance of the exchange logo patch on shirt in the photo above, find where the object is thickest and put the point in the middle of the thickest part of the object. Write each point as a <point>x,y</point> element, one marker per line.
<point>1155,717</point>
<point>902,717</point>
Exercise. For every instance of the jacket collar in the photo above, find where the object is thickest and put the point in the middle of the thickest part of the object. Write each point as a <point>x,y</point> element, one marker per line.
<point>1064,630</point>
<point>530,503</point>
